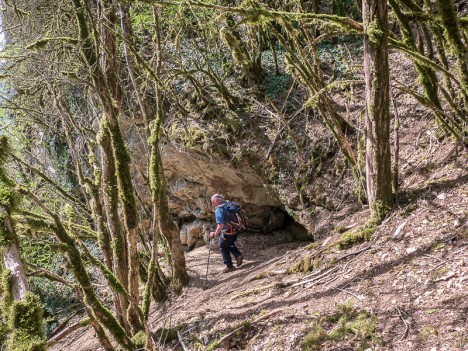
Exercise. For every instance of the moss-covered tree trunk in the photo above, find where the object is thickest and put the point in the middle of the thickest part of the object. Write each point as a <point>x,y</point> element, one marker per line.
<point>427,75</point>
<point>168,228</point>
<point>12,261</point>
<point>119,241</point>
<point>453,34</point>
<point>21,310</point>
<point>104,73</point>
<point>77,267</point>
<point>376,71</point>
<point>158,181</point>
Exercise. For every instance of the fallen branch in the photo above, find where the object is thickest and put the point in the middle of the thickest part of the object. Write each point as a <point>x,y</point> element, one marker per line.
<point>315,278</point>
<point>404,322</point>
<point>62,325</point>
<point>265,316</point>
<point>52,341</point>
<point>350,293</point>
<point>182,342</point>
<point>451,275</point>
<point>256,291</point>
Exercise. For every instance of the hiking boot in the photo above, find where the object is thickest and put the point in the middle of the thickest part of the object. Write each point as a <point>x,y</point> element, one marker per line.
<point>239,260</point>
<point>228,269</point>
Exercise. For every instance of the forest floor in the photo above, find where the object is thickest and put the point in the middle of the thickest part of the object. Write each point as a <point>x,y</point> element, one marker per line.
<point>405,289</point>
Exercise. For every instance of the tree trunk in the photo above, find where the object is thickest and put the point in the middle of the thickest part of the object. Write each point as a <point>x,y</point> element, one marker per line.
<point>12,260</point>
<point>376,70</point>
<point>119,246</point>
<point>168,228</point>
<point>452,31</point>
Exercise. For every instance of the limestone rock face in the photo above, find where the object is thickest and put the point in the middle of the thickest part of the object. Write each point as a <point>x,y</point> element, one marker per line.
<point>193,234</point>
<point>193,178</point>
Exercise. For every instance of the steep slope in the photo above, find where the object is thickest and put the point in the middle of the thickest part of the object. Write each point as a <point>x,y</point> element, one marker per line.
<point>405,289</point>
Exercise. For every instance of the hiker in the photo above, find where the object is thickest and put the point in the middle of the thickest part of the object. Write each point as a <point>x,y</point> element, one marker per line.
<point>227,234</point>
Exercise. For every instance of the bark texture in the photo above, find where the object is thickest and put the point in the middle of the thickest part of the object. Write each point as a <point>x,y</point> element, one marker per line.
<point>376,70</point>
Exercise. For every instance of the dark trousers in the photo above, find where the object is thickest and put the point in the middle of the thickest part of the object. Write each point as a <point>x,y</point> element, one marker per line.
<point>226,243</point>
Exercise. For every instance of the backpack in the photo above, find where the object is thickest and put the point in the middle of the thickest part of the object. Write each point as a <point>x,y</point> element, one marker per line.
<point>235,216</point>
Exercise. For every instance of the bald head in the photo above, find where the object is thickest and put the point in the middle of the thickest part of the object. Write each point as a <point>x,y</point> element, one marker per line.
<point>216,199</point>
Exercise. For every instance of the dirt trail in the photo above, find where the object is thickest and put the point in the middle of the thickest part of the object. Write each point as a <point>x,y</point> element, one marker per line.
<point>413,308</point>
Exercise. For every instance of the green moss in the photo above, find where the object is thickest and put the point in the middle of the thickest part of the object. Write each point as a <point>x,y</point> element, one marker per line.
<point>85,321</point>
<point>3,333</point>
<point>346,321</point>
<point>349,239</point>
<point>301,265</point>
<point>437,246</point>
<point>375,33</point>
<point>307,262</point>
<point>8,197</point>
<point>314,339</point>
<point>7,297</point>
<point>380,209</point>
<point>26,323</point>
<point>439,273</point>
<point>262,275</point>
<point>69,212</point>
<point>212,346</point>
<point>139,339</point>
<point>426,332</point>
<point>312,245</point>
<point>166,335</point>
<point>4,150</point>
<point>124,179</point>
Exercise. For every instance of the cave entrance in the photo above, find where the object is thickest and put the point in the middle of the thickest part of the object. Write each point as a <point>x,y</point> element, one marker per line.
<point>276,221</point>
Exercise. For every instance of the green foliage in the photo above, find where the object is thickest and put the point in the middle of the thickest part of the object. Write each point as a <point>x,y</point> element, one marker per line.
<point>276,84</point>
<point>26,324</point>
<point>57,298</point>
<point>339,56</point>
<point>348,8</point>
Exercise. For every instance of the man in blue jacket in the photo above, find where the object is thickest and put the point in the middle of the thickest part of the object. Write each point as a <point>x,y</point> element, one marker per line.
<point>227,234</point>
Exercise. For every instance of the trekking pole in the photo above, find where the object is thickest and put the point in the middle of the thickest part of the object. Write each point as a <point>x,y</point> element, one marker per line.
<point>207,265</point>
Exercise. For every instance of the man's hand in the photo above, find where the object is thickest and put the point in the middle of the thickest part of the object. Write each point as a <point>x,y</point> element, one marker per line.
<point>212,235</point>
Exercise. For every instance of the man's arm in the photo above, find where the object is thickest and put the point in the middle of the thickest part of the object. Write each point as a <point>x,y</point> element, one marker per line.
<point>218,230</point>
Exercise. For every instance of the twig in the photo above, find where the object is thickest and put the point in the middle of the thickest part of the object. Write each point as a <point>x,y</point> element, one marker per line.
<point>451,275</point>
<point>404,321</point>
<point>353,253</point>
<point>350,293</point>
<point>265,316</point>
<point>52,341</point>
<point>62,325</point>
<point>182,342</point>
<point>315,278</point>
